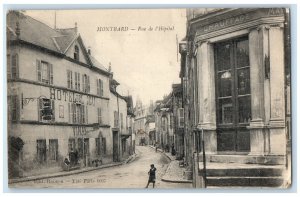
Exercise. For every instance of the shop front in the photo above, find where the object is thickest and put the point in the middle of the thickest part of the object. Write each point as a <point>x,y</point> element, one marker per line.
<point>239,54</point>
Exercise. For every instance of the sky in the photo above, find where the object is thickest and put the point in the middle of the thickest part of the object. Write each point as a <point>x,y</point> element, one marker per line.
<point>145,63</point>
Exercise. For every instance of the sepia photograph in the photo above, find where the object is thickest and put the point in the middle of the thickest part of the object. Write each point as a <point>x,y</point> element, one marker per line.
<point>171,98</point>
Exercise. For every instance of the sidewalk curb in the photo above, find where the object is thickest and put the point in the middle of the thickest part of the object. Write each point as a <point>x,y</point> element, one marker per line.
<point>176,181</point>
<point>26,179</point>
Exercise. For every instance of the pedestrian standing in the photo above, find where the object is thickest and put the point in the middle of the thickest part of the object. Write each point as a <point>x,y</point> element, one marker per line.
<point>152,176</point>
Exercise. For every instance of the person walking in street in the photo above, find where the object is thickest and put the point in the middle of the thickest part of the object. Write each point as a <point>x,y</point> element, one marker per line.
<point>152,176</point>
<point>173,150</point>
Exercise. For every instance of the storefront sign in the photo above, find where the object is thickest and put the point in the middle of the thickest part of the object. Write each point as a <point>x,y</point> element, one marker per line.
<point>240,19</point>
<point>73,97</point>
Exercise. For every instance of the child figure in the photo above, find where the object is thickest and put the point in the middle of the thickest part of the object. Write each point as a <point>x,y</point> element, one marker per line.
<point>151,174</point>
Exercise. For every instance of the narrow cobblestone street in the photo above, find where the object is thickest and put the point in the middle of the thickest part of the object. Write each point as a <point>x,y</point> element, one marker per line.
<point>132,175</point>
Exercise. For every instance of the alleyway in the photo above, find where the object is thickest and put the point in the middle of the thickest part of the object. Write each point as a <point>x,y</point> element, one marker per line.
<point>132,175</point>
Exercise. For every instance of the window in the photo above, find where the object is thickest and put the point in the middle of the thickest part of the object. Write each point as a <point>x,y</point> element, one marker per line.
<point>13,108</point>
<point>233,82</point>
<point>77,81</point>
<point>181,118</point>
<point>99,87</point>
<point>41,150</point>
<point>85,83</point>
<point>12,66</point>
<point>77,113</point>
<point>233,96</point>
<point>15,66</point>
<point>69,79</point>
<point>76,53</point>
<point>86,115</point>
<point>53,149</point>
<point>99,115</point>
<point>46,110</point>
<point>44,72</point>
<point>116,119</point>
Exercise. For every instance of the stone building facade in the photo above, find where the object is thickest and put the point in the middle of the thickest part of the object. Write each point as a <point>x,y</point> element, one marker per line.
<point>58,98</point>
<point>233,69</point>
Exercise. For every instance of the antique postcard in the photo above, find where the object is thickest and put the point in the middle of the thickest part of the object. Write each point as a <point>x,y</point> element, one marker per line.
<point>149,98</point>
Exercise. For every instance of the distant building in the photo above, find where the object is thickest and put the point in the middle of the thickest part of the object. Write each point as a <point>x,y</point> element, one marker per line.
<point>141,112</point>
<point>150,129</point>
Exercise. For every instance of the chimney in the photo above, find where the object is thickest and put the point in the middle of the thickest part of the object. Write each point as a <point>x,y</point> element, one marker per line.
<point>89,51</point>
<point>109,67</point>
<point>18,31</point>
<point>76,29</point>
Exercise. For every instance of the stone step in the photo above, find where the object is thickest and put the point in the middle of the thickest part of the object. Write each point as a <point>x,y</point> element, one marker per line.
<point>245,181</point>
<point>246,159</point>
<point>244,172</point>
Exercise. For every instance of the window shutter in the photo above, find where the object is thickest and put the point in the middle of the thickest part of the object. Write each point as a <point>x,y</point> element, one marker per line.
<point>83,85</point>
<point>86,111</point>
<point>38,68</point>
<point>68,78</point>
<point>14,66</point>
<point>8,68</point>
<point>40,108</point>
<point>51,73</point>
<point>75,80</point>
<point>73,112</point>
<point>78,83</point>
<point>88,84</point>
<point>71,80</point>
<point>53,109</point>
<point>101,87</point>
<point>98,88</point>
<point>69,112</point>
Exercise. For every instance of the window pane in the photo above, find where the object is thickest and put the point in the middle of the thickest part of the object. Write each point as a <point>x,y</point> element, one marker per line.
<point>244,108</point>
<point>242,53</point>
<point>243,76</point>
<point>225,111</point>
<point>223,56</point>
<point>45,72</point>
<point>225,81</point>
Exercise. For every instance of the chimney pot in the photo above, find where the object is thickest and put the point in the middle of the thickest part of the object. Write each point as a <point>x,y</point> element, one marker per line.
<point>18,31</point>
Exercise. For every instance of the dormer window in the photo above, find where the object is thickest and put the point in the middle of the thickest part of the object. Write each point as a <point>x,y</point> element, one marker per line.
<point>76,53</point>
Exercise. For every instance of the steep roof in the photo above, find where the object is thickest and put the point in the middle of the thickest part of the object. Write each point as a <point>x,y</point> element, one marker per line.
<point>32,30</point>
<point>40,34</point>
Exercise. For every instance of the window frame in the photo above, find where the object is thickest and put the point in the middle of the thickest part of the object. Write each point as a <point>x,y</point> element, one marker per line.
<point>53,156</point>
<point>76,53</point>
<point>41,107</point>
<point>234,68</point>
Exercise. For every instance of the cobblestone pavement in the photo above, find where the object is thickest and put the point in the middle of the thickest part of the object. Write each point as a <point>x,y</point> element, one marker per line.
<point>132,175</point>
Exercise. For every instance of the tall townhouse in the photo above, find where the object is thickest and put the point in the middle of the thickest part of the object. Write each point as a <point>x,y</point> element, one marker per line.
<point>118,116</point>
<point>58,97</point>
<point>130,147</point>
